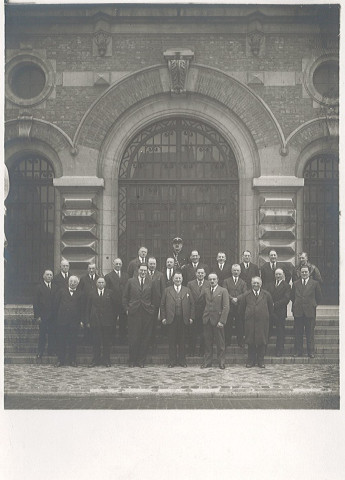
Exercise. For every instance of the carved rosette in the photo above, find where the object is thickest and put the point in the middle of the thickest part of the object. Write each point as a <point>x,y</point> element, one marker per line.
<point>178,66</point>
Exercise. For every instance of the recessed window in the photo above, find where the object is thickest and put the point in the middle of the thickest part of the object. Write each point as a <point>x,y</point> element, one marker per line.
<point>326,79</point>
<point>27,80</point>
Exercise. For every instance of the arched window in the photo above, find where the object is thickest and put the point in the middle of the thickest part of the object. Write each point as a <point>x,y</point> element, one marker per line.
<point>321,220</point>
<point>30,225</point>
<point>178,177</point>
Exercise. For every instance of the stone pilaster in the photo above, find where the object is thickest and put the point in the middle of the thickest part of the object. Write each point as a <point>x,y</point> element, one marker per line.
<point>80,220</point>
<point>277,217</point>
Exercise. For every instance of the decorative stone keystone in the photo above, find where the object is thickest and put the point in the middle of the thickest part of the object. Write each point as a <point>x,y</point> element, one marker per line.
<point>102,40</point>
<point>255,41</point>
<point>178,66</point>
<point>25,125</point>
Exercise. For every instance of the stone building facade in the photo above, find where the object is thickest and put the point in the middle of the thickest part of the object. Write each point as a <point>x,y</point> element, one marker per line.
<point>129,125</point>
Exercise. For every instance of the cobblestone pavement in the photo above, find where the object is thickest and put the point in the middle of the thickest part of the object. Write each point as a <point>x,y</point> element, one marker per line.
<point>152,384</point>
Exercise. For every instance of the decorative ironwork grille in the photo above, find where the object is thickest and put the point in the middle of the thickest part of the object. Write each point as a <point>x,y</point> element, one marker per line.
<point>178,177</point>
<point>30,224</point>
<point>321,220</point>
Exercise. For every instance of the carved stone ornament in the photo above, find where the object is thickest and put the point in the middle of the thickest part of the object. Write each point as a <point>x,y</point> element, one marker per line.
<point>178,65</point>
<point>25,125</point>
<point>102,39</point>
<point>331,112</point>
<point>255,40</point>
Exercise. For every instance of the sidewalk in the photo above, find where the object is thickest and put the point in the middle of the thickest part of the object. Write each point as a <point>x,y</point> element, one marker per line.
<point>311,386</point>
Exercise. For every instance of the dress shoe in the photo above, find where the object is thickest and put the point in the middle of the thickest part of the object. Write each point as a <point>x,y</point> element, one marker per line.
<point>261,365</point>
<point>171,365</point>
<point>222,367</point>
<point>311,355</point>
<point>73,364</point>
<point>184,365</point>
<point>92,365</point>
<point>39,356</point>
<point>205,366</point>
<point>250,365</point>
<point>58,364</point>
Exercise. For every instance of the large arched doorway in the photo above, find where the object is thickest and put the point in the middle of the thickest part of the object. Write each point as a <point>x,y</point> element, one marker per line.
<point>29,226</point>
<point>178,177</point>
<point>321,221</point>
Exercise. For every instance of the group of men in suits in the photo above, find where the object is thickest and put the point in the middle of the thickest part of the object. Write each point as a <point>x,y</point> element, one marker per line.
<point>191,301</point>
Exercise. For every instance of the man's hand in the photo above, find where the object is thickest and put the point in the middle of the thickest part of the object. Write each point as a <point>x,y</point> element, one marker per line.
<point>164,321</point>
<point>190,321</point>
<point>234,300</point>
<point>220,325</point>
<point>81,325</point>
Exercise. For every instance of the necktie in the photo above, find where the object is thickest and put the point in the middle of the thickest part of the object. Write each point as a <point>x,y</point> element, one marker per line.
<point>235,280</point>
<point>277,284</point>
<point>100,293</point>
<point>49,286</point>
<point>169,273</point>
<point>273,266</point>
<point>246,265</point>
<point>141,283</point>
<point>304,282</point>
<point>71,292</point>
<point>212,290</point>
<point>221,266</point>
<point>119,274</point>
<point>200,284</point>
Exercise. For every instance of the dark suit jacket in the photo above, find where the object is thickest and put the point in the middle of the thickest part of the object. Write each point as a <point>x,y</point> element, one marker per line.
<point>180,259</point>
<point>248,273</point>
<point>60,281</point>
<point>256,313</point>
<point>117,285</point>
<point>68,307</point>
<point>169,302</point>
<point>134,298</point>
<point>167,282</point>
<point>189,273</point>
<point>198,296</point>
<point>100,311</point>
<point>134,265</point>
<point>222,274</point>
<point>305,298</point>
<point>216,306</point>
<point>86,285</point>
<point>267,274</point>
<point>43,301</point>
<point>281,298</point>
<point>235,291</point>
<point>158,287</point>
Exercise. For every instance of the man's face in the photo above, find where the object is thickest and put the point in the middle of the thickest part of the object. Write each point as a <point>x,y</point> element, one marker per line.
<point>200,274</point>
<point>177,279</point>
<point>279,275</point>
<point>246,257</point>
<point>236,271</point>
<point>177,247</point>
<point>305,273</point>
<point>303,259</point>
<point>213,279</point>
<point>100,283</point>
<point>143,252</point>
<point>273,256</point>
<point>256,284</point>
<point>195,257</point>
<point>64,266</point>
<point>142,271</point>
<point>48,276</point>
<point>73,283</point>
<point>91,269</point>
<point>221,257</point>
<point>152,264</point>
<point>170,263</point>
<point>117,264</point>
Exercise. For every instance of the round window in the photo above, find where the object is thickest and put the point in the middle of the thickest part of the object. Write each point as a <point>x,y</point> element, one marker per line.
<point>27,80</point>
<point>326,79</point>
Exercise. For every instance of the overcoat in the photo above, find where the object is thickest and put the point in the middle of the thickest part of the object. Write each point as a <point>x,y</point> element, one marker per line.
<point>168,304</point>
<point>68,307</point>
<point>222,274</point>
<point>268,275</point>
<point>281,298</point>
<point>235,291</point>
<point>248,273</point>
<point>305,298</point>
<point>116,284</point>
<point>256,313</point>
<point>43,302</point>
<point>198,295</point>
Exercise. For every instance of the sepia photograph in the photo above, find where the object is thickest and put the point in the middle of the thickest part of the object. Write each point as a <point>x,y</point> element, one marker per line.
<point>171,210</point>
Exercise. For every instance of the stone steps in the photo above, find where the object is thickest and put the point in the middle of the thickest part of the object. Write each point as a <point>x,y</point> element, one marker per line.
<point>21,336</point>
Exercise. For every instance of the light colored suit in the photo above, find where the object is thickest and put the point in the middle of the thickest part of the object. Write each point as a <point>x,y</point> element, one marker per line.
<point>216,311</point>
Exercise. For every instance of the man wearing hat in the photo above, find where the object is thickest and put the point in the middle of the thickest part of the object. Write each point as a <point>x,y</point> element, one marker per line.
<point>177,254</point>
